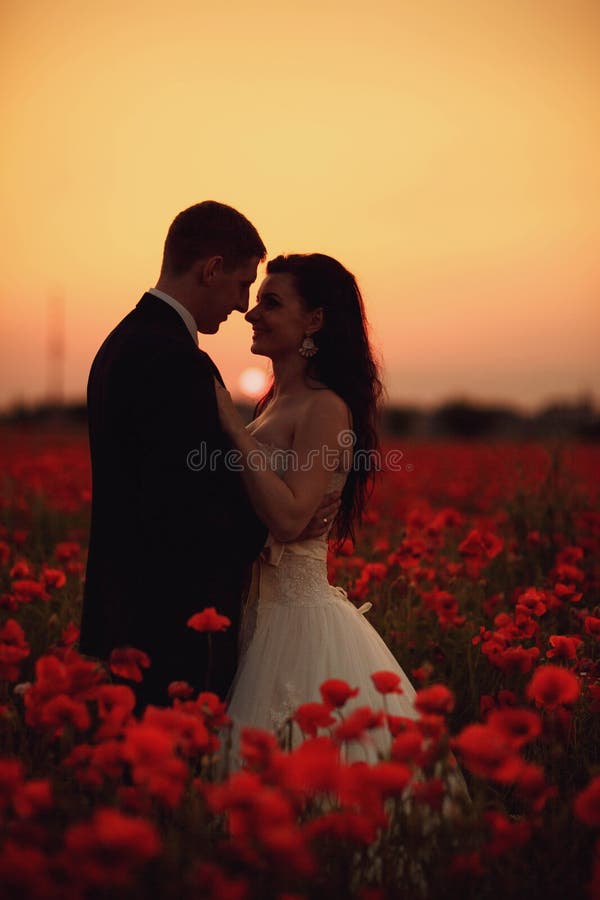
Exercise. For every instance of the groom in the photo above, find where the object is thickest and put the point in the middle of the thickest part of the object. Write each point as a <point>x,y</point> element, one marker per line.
<point>166,539</point>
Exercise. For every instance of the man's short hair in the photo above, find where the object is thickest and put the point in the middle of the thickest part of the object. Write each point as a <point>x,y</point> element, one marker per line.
<point>210,229</point>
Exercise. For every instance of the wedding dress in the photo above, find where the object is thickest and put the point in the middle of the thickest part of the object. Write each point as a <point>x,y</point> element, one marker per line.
<point>297,631</point>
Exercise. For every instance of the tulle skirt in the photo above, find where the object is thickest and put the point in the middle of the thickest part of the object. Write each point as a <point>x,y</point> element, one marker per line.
<point>298,643</point>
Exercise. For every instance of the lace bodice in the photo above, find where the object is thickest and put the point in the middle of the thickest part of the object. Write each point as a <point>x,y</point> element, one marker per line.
<point>288,574</point>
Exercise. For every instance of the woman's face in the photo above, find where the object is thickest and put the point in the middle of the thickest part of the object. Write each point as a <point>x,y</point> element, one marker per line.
<point>279,320</point>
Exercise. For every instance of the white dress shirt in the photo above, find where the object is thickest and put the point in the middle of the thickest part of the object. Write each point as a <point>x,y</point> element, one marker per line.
<point>190,322</point>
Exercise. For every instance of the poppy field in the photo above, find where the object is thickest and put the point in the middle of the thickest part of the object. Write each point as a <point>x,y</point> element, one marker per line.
<point>482,565</point>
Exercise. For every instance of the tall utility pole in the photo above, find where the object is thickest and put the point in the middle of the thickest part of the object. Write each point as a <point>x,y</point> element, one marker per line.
<point>55,350</point>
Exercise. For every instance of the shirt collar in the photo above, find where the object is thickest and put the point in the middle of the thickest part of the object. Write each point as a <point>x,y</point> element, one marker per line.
<point>190,322</point>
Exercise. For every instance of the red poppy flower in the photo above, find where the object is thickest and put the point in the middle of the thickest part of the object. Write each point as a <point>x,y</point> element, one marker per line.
<point>114,696</point>
<point>389,778</point>
<point>591,626</point>
<point>26,590</point>
<point>21,569</point>
<point>435,700</point>
<point>407,748</point>
<point>208,620</point>
<point>515,659</point>
<point>376,571</point>
<point>553,686</point>
<point>67,550</point>
<point>51,679</point>
<point>4,553</point>
<point>70,634</point>
<point>107,849</point>
<point>400,724</point>
<point>481,543</point>
<point>387,682</point>
<point>422,674</point>
<point>55,578</point>
<point>93,763</point>
<point>567,592</point>
<point>564,646</point>
<point>487,753</point>
<point>33,797</point>
<point>255,813</point>
<point>63,710</point>
<point>13,649</point>
<point>150,750</point>
<point>147,746</point>
<point>312,716</point>
<point>107,758</point>
<point>126,662</point>
<point>115,705</point>
<point>431,726</point>
<point>211,707</point>
<point>505,835</point>
<point>570,554</point>
<point>565,572</point>
<point>83,675</point>
<point>336,692</point>
<point>409,553</point>
<point>181,690</point>
<point>257,747</point>
<point>239,791</point>
<point>533,602</point>
<point>189,732</point>
<point>587,804</point>
<point>360,720</point>
<point>519,726</point>
<point>314,767</point>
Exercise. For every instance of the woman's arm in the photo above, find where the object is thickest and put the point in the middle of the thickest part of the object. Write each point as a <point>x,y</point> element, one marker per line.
<point>286,505</point>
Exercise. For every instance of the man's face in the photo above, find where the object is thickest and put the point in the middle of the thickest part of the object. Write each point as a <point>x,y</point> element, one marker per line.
<point>228,291</point>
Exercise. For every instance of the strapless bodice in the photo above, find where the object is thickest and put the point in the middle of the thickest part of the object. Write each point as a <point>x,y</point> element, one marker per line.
<point>311,547</point>
<point>292,574</point>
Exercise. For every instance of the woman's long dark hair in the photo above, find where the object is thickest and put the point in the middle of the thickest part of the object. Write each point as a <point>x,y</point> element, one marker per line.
<point>344,363</point>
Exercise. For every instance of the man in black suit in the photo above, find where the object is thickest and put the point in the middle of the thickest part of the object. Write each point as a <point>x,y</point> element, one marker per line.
<point>169,538</point>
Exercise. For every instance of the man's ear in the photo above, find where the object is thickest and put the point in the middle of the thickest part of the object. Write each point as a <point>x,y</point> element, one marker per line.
<point>315,322</point>
<point>206,270</point>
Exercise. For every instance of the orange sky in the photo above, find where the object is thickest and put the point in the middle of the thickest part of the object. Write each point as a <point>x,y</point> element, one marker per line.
<point>445,151</point>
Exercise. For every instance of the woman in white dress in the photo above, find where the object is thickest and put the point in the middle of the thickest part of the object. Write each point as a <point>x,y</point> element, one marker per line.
<point>314,433</point>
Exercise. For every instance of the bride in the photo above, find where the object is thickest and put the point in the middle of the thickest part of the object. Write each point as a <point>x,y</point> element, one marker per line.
<point>314,433</point>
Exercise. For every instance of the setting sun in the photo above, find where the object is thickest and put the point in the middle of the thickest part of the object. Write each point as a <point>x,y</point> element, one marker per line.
<point>253,383</point>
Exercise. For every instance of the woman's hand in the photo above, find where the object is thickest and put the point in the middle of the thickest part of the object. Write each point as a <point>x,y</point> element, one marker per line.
<point>231,421</point>
<point>323,517</point>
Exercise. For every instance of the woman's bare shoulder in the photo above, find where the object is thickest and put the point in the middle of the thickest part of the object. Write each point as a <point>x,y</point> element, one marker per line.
<point>325,402</point>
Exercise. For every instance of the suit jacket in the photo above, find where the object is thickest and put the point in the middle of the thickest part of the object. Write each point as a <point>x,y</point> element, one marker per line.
<point>169,536</point>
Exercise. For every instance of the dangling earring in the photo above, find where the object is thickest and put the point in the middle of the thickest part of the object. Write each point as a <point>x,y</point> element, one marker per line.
<point>308,347</point>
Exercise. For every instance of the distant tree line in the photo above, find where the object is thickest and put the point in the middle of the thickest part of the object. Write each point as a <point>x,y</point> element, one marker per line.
<point>459,418</point>
<point>464,419</point>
